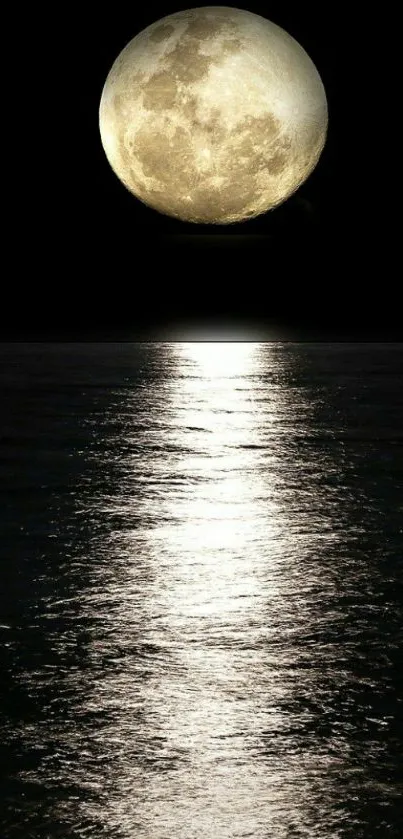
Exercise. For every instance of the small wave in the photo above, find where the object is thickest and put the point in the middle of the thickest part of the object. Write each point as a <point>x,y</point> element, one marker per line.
<point>198,428</point>
<point>251,446</point>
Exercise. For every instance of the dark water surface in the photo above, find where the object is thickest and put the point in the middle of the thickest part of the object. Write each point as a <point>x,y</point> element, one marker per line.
<point>201,590</point>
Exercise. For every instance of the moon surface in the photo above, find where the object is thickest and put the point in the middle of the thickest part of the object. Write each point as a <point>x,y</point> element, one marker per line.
<point>213,115</point>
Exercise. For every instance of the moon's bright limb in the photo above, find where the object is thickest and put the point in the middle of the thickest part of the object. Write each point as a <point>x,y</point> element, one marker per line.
<point>213,115</point>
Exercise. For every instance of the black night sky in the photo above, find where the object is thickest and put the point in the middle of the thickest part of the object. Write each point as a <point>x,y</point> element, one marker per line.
<point>92,262</point>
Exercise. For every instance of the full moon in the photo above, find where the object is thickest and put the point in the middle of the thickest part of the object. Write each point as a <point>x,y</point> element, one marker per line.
<point>213,115</point>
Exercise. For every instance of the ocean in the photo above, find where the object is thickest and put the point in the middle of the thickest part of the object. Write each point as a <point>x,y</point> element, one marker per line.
<point>201,602</point>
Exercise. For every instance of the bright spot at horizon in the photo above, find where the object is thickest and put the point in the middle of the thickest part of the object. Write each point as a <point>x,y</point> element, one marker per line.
<point>221,358</point>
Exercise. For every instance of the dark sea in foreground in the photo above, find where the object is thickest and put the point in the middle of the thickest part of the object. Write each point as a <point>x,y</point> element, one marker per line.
<point>201,600</point>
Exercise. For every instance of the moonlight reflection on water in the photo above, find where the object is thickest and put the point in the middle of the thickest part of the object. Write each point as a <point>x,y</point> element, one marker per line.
<point>202,645</point>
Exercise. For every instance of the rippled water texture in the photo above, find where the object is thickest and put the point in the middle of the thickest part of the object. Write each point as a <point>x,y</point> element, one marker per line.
<point>201,599</point>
